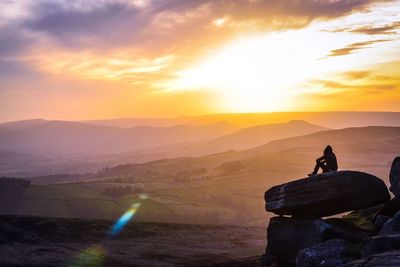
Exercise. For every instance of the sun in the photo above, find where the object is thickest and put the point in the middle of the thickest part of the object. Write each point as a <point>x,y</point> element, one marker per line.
<point>263,72</point>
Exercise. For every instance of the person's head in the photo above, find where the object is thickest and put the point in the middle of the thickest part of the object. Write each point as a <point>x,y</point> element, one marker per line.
<point>328,150</point>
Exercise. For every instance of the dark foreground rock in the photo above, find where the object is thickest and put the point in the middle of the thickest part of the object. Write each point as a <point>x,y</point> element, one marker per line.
<point>327,194</point>
<point>391,226</point>
<point>331,253</point>
<point>287,236</point>
<point>387,259</point>
<point>381,243</point>
<point>390,208</point>
<point>380,220</point>
<point>394,177</point>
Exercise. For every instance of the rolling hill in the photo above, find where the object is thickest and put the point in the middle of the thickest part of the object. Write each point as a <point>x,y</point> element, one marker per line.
<point>224,188</point>
<point>241,139</point>
<point>254,136</point>
<point>59,146</point>
<point>62,137</point>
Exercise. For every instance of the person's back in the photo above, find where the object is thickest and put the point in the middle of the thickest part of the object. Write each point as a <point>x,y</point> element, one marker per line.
<point>331,162</point>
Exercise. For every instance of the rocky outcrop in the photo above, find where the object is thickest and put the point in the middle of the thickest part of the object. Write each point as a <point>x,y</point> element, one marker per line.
<point>285,240</point>
<point>332,253</point>
<point>288,235</point>
<point>368,236</point>
<point>394,177</point>
<point>327,194</point>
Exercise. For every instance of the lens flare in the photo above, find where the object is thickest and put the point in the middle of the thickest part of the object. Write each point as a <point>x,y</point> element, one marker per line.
<point>143,196</point>
<point>124,220</point>
<point>92,256</point>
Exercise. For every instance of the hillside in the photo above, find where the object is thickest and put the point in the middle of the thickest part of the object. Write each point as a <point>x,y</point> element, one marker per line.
<point>258,135</point>
<point>238,140</point>
<point>50,147</point>
<point>62,137</point>
<point>51,242</point>
<point>352,146</point>
<point>222,188</point>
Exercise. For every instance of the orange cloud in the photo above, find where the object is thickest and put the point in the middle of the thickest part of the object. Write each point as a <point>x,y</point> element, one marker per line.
<point>351,48</point>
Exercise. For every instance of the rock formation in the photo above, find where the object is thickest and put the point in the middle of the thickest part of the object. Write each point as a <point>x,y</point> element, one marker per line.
<point>327,194</point>
<point>369,236</point>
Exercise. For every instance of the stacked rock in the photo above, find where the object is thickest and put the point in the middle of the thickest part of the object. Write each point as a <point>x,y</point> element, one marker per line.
<point>299,236</point>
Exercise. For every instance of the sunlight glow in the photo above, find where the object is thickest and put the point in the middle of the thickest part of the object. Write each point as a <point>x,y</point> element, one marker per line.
<point>254,74</point>
<point>266,72</point>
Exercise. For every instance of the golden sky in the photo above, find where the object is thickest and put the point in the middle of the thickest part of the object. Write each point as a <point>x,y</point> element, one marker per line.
<point>88,59</point>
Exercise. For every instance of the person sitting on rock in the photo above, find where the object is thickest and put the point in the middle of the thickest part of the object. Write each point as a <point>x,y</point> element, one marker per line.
<point>327,162</point>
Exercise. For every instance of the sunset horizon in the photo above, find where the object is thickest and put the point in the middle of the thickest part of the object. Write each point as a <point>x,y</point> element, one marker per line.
<point>119,59</point>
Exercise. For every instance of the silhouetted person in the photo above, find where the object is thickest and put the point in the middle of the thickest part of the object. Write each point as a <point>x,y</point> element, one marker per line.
<point>327,162</point>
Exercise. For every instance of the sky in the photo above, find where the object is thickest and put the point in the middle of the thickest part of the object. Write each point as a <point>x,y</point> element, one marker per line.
<point>92,59</point>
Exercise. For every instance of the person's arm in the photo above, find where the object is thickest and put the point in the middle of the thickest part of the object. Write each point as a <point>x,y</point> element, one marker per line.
<point>321,159</point>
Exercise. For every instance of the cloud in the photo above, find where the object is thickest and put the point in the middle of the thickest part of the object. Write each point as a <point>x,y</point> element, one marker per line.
<point>334,86</point>
<point>387,29</point>
<point>371,30</point>
<point>351,48</point>
<point>10,68</point>
<point>108,24</point>
<point>119,23</point>
<point>13,41</point>
<point>154,27</point>
<point>356,75</point>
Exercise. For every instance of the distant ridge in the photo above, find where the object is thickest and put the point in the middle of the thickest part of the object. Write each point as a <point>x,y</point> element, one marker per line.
<point>330,119</point>
<point>67,137</point>
<point>246,138</point>
<point>261,134</point>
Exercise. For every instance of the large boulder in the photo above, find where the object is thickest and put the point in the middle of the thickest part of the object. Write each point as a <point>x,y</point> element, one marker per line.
<point>394,177</point>
<point>327,194</point>
<point>288,235</point>
<point>332,253</point>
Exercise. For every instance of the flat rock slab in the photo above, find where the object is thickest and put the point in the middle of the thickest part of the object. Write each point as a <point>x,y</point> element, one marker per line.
<point>327,194</point>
